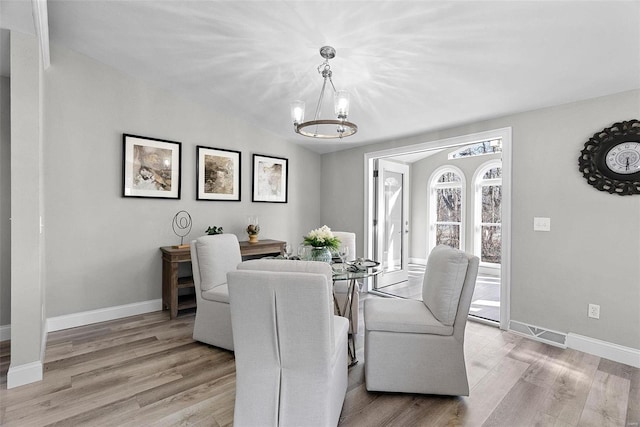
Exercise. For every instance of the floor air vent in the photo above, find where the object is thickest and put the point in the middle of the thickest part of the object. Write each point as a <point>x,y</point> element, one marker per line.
<point>545,335</point>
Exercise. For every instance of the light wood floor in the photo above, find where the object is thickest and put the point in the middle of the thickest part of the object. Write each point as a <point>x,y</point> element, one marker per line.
<point>147,371</point>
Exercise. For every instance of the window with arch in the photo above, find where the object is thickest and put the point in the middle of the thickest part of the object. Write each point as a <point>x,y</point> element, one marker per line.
<point>492,146</point>
<point>488,212</point>
<point>446,212</point>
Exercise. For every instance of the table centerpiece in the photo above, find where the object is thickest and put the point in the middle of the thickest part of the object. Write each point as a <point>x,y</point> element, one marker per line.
<point>321,242</point>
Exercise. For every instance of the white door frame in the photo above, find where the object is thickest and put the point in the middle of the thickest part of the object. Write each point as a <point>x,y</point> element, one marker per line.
<point>369,193</point>
<point>401,275</point>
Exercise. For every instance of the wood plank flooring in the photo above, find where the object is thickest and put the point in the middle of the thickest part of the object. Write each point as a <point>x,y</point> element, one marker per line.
<point>147,371</point>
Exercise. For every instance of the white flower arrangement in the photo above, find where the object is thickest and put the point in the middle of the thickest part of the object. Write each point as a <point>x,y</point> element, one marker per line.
<point>322,237</point>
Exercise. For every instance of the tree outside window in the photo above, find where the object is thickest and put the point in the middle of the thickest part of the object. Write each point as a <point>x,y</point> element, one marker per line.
<point>447,207</point>
<point>489,192</point>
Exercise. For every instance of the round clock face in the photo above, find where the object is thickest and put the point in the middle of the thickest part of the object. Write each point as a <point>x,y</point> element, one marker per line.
<point>624,158</point>
<point>610,160</point>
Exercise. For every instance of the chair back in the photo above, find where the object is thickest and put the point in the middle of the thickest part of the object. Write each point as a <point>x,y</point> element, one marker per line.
<point>448,285</point>
<point>212,257</point>
<point>296,266</point>
<point>283,337</point>
<point>348,239</point>
<point>315,267</point>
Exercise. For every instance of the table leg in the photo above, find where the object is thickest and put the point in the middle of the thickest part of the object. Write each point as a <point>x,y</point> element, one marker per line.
<point>336,306</point>
<point>347,311</point>
<point>173,290</point>
<point>166,284</point>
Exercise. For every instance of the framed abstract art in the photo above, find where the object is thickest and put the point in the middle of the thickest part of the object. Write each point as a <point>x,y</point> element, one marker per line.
<point>270,179</point>
<point>218,174</point>
<point>151,167</point>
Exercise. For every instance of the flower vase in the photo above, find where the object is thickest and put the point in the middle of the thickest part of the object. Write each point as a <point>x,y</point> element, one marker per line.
<point>320,253</point>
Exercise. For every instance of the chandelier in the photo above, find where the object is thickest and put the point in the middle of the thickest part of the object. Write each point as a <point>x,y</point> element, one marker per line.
<point>325,128</point>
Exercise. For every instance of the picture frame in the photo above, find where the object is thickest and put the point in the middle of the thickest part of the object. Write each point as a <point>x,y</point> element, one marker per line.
<point>270,179</point>
<point>218,174</point>
<point>151,167</point>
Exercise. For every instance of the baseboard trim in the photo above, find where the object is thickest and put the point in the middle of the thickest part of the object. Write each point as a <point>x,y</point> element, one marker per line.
<point>420,261</point>
<point>5,332</point>
<point>102,315</point>
<point>24,374</point>
<point>617,353</point>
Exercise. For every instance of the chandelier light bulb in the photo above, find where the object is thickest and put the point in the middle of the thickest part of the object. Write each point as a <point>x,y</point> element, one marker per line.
<point>341,104</point>
<point>297,112</point>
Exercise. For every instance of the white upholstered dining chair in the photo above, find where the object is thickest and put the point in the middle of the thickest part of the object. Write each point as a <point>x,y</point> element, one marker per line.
<point>290,349</point>
<point>212,257</point>
<point>416,346</point>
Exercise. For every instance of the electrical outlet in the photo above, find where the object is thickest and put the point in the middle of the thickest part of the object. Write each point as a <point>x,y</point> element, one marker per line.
<point>541,224</point>
<point>594,311</point>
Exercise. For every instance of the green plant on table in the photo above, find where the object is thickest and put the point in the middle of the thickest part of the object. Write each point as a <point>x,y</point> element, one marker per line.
<point>214,230</point>
<point>322,237</point>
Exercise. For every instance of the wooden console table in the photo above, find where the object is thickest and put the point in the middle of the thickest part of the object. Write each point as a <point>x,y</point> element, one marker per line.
<point>178,292</point>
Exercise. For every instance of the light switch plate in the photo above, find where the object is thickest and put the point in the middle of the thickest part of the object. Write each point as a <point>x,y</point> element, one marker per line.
<point>541,224</point>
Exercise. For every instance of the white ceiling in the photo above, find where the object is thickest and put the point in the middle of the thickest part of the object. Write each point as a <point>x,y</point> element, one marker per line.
<point>411,66</point>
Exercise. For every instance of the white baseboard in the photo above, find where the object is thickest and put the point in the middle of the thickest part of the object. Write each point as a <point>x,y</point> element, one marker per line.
<point>617,353</point>
<point>420,261</point>
<point>102,315</point>
<point>24,374</point>
<point>32,372</point>
<point>5,332</point>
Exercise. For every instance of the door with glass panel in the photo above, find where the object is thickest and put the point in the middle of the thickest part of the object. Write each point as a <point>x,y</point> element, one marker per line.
<point>392,219</point>
<point>487,246</point>
<point>488,241</point>
<point>446,208</point>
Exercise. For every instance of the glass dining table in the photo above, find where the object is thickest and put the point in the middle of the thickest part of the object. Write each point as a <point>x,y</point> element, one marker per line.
<point>351,275</point>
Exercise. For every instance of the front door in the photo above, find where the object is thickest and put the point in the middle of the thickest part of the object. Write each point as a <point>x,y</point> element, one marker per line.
<point>392,219</point>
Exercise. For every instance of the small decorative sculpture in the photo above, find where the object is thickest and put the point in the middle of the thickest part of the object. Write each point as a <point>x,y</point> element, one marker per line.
<point>181,227</point>
<point>253,229</point>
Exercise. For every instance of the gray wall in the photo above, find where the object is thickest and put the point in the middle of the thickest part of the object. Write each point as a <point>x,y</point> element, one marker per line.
<point>5,202</point>
<point>591,255</point>
<point>420,173</point>
<point>102,249</point>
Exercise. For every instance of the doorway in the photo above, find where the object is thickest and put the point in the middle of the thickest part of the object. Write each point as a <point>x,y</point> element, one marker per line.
<point>417,237</point>
<point>392,221</point>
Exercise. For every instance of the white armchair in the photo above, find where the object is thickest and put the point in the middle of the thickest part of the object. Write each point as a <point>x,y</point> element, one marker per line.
<point>290,349</point>
<point>341,286</point>
<point>212,257</point>
<point>418,346</point>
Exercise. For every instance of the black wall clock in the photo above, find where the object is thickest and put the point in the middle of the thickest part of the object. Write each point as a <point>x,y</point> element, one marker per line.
<point>610,160</point>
